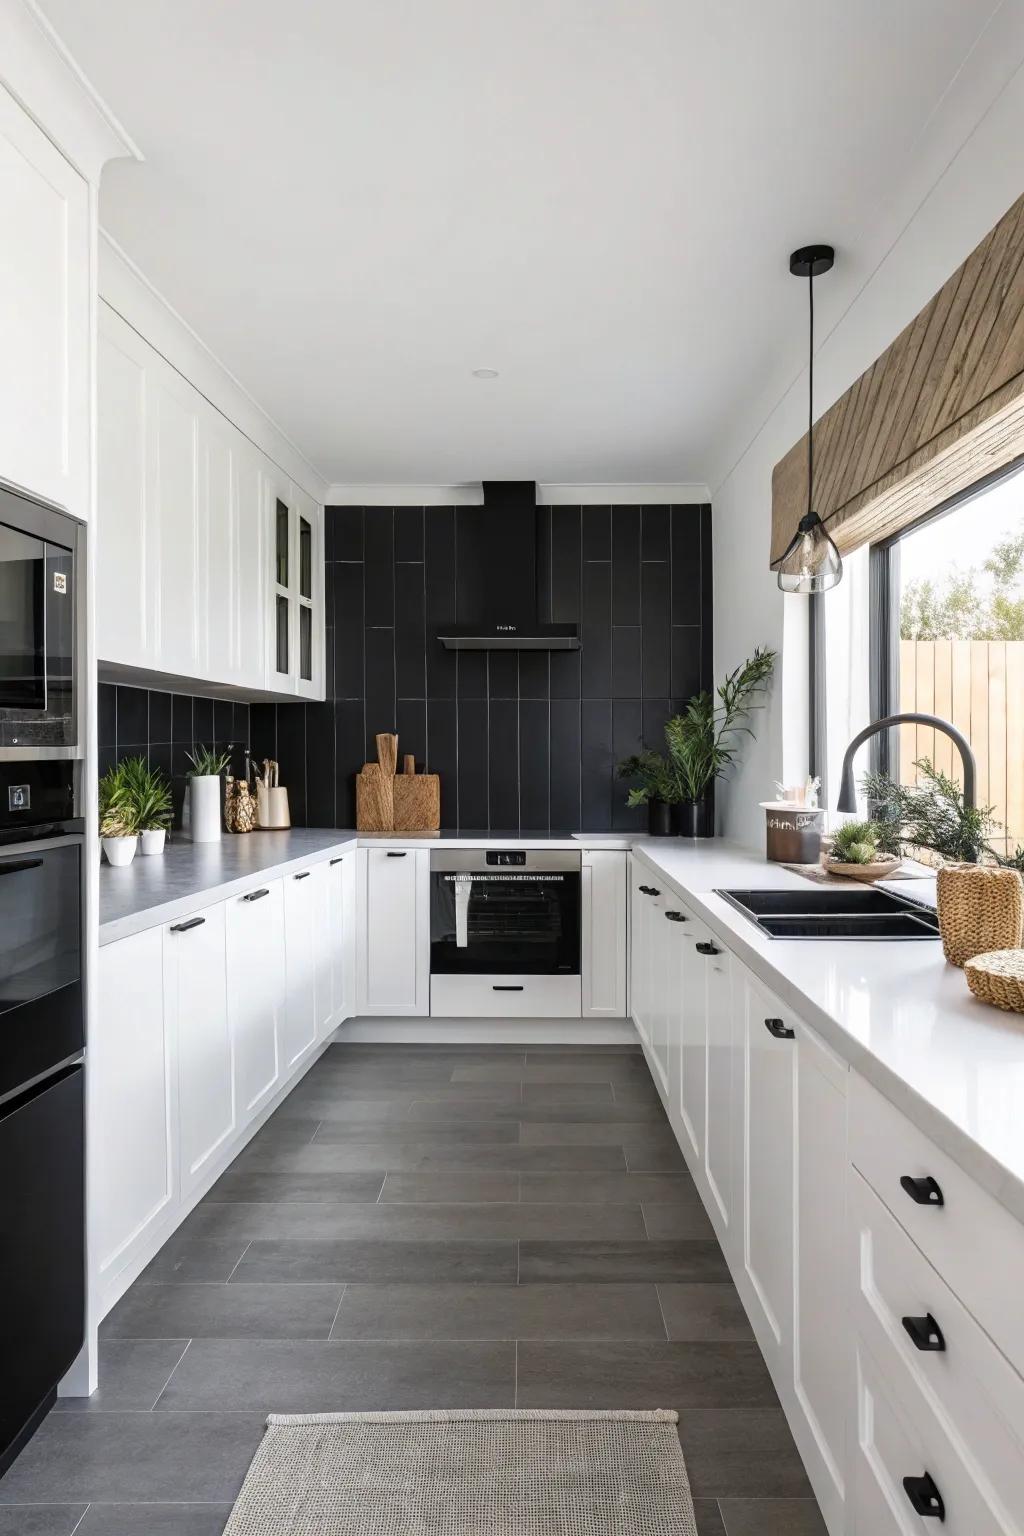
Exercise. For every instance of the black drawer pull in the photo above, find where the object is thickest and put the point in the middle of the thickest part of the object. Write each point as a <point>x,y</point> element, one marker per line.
<point>922,1191</point>
<point>393,854</point>
<point>18,866</point>
<point>303,875</point>
<point>924,1332</point>
<point>924,1497</point>
<point>648,890</point>
<point>506,989</point>
<point>257,895</point>
<point>193,922</point>
<point>703,948</point>
<point>780,1029</point>
<point>677,917</point>
<point>339,860</point>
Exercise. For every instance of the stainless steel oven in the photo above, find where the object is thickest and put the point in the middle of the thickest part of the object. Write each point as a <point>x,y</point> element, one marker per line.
<point>505,932</point>
<point>41,637</point>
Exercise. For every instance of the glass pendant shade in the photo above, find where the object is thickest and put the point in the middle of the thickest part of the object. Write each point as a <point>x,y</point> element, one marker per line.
<point>811,563</point>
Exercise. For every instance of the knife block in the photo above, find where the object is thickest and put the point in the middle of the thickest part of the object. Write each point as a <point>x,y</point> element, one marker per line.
<point>272,809</point>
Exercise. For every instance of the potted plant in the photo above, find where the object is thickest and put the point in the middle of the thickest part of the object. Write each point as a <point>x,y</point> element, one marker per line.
<point>930,814</point>
<point>658,789</point>
<point>205,793</point>
<point>704,740</point>
<point>118,821</point>
<point>855,850</point>
<point>150,796</point>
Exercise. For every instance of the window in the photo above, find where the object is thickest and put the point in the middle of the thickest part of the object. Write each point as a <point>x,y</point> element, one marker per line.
<point>933,621</point>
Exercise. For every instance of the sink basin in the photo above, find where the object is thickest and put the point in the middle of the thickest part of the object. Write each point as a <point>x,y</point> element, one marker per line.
<point>835,913</point>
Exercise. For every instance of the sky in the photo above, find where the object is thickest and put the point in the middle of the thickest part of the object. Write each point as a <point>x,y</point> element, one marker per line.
<point>965,536</point>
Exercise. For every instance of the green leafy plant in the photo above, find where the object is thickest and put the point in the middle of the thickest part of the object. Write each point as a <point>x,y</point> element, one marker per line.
<point>207,763</point>
<point>117,813</point>
<point>657,779</point>
<point>704,740</point>
<point>149,794</point>
<point>856,842</point>
<point>929,814</point>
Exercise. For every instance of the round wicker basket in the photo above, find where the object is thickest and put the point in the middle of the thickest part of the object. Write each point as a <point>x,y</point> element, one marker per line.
<point>981,909</point>
<point>998,978</point>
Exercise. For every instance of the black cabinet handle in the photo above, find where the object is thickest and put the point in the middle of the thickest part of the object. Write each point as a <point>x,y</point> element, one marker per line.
<point>303,875</point>
<point>677,917</point>
<point>18,866</point>
<point>925,1332</point>
<point>506,989</point>
<point>393,854</point>
<point>193,922</point>
<point>924,1497</point>
<point>922,1191</point>
<point>703,948</point>
<point>339,860</point>
<point>257,895</point>
<point>779,1028</point>
<point>648,890</point>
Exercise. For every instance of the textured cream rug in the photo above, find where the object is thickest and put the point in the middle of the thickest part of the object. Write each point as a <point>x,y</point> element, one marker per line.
<point>494,1472</point>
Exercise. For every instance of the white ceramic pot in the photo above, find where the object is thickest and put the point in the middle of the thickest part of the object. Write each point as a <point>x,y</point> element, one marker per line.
<point>152,840</point>
<point>119,850</point>
<point>205,795</point>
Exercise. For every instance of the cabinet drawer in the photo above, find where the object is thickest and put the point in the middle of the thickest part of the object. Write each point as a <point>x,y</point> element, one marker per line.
<point>886,1148</point>
<point>489,997</point>
<point>968,1385</point>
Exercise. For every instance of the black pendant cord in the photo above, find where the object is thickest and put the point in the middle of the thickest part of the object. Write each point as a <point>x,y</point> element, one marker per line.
<point>810,394</point>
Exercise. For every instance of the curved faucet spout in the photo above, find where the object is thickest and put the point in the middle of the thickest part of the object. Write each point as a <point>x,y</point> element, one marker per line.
<point>848,794</point>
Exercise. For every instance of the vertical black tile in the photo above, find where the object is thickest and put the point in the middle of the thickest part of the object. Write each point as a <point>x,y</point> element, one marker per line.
<point>686,680</point>
<point>503,764</point>
<point>348,532</point>
<point>707,588</point>
<point>291,755</point>
<point>330,534</point>
<point>686,575</point>
<point>439,573</point>
<point>503,674</point>
<point>223,721</point>
<point>534,674</point>
<point>160,759</point>
<point>412,731</point>
<point>565,565</point>
<point>106,723</point>
<point>474,773</point>
<point>348,630</point>
<point>408,533</point>
<point>202,722</point>
<point>627,740</point>
<point>470,572</point>
<point>329,691</point>
<point>656,629</point>
<point>160,706</point>
<point>263,731</point>
<point>597,765</point>
<point>182,734</point>
<point>654,533</point>
<point>240,724</point>
<point>132,749</point>
<point>443,756</point>
<point>544,602</point>
<point>106,758</point>
<point>625,565</point>
<point>597,533</point>
<point>320,765</point>
<point>655,713</point>
<point>380,683</point>
<point>596,632</point>
<point>132,714</point>
<point>565,672</point>
<point>410,651</point>
<point>565,765</point>
<point>534,765</point>
<point>472,674</point>
<point>626,674</point>
<point>349,756</point>
<point>379,562</point>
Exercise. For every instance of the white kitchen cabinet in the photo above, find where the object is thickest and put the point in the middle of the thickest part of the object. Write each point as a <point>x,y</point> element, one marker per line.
<point>341,935</point>
<point>694,1046</point>
<point>325,946</point>
<point>44,315</point>
<point>256,990</point>
<point>125,617</point>
<point>604,960</point>
<point>394,932</point>
<point>133,1110</point>
<point>722,1034</point>
<point>195,998</point>
<point>173,517</point>
<point>301,958</point>
<point>639,946</point>
<point>218,535</point>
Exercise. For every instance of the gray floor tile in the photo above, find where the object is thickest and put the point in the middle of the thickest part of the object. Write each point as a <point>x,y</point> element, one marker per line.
<point>564,1093</point>
<point>132,1373</point>
<point>324,1222</point>
<point>285,1130</point>
<point>741,1453</point>
<point>469,1134</point>
<point>156,1520</point>
<point>499,1312</point>
<point>650,1117</point>
<point>187,1259</point>
<point>41,1519</point>
<point>377,1262</point>
<point>598,1374</point>
<point>609,1188</point>
<point>644,1155</point>
<point>709,1517</point>
<point>546,1071</point>
<point>263,1184</point>
<point>450,1187</point>
<point>134,1458</point>
<point>772,1517</point>
<point>598,1262</point>
<point>698,1311</point>
<point>299,1377</point>
<point>222,1312</point>
<point>410,1156</point>
<point>684,1218</point>
<point>594,1133</point>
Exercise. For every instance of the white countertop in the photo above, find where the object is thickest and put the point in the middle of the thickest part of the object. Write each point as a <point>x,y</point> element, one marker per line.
<point>897,1012</point>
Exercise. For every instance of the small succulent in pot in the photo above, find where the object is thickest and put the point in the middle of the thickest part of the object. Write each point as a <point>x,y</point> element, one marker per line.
<point>118,818</point>
<point>855,842</point>
<point>150,795</point>
<point>658,789</point>
<point>206,794</point>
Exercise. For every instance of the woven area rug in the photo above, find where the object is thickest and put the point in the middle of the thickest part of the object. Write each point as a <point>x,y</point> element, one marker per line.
<point>493,1472</point>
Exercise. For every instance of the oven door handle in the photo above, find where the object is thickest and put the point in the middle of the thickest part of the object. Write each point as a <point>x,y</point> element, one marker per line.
<point>506,988</point>
<point>18,866</point>
<point>463,892</point>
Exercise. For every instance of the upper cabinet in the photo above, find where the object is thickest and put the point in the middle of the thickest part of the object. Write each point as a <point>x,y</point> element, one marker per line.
<point>210,560</point>
<point>44,315</point>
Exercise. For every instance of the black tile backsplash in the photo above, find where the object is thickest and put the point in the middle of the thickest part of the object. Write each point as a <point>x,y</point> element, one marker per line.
<point>522,740</point>
<point>164,727</point>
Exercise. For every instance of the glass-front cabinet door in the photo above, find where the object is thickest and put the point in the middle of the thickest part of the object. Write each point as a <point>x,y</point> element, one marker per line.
<point>297,593</point>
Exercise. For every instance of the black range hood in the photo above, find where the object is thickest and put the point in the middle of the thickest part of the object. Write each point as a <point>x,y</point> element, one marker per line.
<point>496,573</point>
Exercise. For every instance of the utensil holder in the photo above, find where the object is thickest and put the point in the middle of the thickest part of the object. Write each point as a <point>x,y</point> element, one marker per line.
<point>272,808</point>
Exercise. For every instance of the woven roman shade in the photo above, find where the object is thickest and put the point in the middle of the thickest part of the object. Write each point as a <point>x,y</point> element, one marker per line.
<point>941,408</point>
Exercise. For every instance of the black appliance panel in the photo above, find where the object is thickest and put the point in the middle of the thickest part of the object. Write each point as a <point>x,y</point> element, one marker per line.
<point>498,918</point>
<point>41,1020</point>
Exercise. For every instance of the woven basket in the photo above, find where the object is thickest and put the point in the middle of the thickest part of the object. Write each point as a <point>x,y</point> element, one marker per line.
<point>998,978</point>
<point>980,910</point>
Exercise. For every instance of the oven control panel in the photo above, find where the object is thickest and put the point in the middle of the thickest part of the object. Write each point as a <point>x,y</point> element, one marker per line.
<point>507,858</point>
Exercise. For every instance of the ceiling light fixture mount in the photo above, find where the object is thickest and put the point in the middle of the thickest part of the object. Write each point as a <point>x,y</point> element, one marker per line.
<point>812,563</point>
<point>485,373</point>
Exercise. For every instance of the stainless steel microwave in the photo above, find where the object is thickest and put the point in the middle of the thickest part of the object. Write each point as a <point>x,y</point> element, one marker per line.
<point>41,630</point>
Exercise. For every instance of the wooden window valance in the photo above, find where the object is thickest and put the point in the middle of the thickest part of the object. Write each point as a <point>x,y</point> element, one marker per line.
<point>941,408</point>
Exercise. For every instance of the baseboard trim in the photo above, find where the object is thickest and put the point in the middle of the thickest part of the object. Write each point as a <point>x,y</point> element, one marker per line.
<point>487,1031</point>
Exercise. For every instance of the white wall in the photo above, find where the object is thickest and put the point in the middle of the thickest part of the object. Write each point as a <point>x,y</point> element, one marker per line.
<point>969,171</point>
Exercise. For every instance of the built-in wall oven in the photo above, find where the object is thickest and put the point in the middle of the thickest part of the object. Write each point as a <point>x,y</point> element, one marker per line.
<point>505,933</point>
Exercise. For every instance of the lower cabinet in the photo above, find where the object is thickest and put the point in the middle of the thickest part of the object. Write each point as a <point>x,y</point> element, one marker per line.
<point>603,950</point>
<point>302,962</point>
<point>256,991</point>
<point>196,1009</point>
<point>394,934</point>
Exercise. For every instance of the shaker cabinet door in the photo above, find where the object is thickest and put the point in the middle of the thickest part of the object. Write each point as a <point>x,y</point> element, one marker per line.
<point>300,942</point>
<point>195,991</point>
<point>256,992</point>
<point>395,941</point>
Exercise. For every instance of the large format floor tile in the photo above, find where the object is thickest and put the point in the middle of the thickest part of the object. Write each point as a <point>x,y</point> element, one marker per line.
<point>451,1186</point>
<point>135,1372</point>
<point>221,1312</point>
<point>264,1184</point>
<point>156,1520</point>
<point>499,1312</point>
<point>41,1519</point>
<point>322,1221</point>
<point>741,1453</point>
<point>621,1261</point>
<point>376,1262</point>
<point>638,1375</point>
<point>776,1517</point>
<point>698,1311</point>
<point>414,1156</point>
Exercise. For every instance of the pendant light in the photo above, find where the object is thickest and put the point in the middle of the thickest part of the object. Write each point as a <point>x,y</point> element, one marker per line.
<point>812,562</point>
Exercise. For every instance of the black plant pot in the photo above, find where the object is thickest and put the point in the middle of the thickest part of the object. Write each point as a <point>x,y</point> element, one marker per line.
<point>659,818</point>
<point>693,818</point>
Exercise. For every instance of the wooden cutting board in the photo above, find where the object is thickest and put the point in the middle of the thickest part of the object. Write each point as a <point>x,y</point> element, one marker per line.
<point>417,800</point>
<point>374,800</point>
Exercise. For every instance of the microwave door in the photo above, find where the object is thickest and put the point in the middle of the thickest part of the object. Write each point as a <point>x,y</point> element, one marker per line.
<point>22,620</point>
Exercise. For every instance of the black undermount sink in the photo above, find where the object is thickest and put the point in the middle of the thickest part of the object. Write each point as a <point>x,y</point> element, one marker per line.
<point>834,913</point>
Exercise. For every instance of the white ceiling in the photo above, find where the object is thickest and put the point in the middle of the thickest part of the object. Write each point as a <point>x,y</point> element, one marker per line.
<point>355,205</point>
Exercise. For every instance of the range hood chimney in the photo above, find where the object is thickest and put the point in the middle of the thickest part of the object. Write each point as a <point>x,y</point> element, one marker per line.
<point>496,576</point>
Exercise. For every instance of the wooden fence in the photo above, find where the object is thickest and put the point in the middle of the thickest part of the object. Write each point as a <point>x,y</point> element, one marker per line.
<point>979,686</point>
